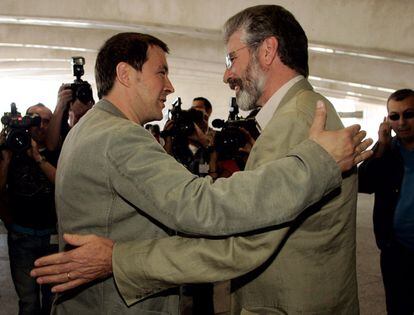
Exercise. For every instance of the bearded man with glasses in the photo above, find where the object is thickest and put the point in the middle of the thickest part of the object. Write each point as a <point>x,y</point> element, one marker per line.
<point>390,175</point>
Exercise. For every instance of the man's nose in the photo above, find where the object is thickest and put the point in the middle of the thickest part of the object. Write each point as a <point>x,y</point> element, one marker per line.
<point>226,75</point>
<point>169,87</point>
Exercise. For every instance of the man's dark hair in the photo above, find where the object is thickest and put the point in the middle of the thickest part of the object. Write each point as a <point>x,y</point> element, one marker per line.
<point>263,21</point>
<point>206,102</point>
<point>124,47</point>
<point>400,95</point>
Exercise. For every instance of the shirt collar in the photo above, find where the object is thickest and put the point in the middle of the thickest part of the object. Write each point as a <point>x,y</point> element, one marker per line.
<point>268,109</point>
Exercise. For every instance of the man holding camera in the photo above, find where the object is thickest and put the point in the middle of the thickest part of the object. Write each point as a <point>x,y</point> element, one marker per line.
<point>70,107</point>
<point>194,151</point>
<point>191,146</point>
<point>27,195</point>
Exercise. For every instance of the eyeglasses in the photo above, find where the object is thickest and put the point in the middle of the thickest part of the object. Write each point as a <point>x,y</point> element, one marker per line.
<point>405,115</point>
<point>230,57</point>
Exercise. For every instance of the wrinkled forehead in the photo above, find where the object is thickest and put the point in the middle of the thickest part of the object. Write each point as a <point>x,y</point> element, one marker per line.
<point>235,41</point>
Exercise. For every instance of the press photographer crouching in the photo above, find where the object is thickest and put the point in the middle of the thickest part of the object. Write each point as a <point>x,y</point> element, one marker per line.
<point>74,100</point>
<point>189,138</point>
<point>27,174</point>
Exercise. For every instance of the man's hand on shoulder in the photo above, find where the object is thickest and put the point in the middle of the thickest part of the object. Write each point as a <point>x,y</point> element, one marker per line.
<point>346,146</point>
<point>90,260</point>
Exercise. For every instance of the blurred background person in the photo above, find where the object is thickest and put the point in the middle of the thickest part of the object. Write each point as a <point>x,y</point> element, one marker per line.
<point>189,138</point>
<point>74,100</point>
<point>27,175</point>
<point>232,144</point>
<point>156,132</point>
<point>390,175</point>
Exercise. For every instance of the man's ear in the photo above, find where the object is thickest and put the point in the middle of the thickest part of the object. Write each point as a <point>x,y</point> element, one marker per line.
<point>268,50</point>
<point>123,73</point>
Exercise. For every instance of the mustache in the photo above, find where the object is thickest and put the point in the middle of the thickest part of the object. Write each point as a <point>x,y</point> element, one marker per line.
<point>233,82</point>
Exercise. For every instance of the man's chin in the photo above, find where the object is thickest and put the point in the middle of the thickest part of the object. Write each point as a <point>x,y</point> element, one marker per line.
<point>244,104</point>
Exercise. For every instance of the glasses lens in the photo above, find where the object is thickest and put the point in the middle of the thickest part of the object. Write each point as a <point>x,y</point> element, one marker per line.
<point>228,61</point>
<point>408,115</point>
<point>405,115</point>
<point>394,116</point>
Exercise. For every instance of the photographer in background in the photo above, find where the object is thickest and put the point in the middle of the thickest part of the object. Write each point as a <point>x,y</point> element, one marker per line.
<point>27,197</point>
<point>234,141</point>
<point>189,138</point>
<point>74,100</point>
<point>192,147</point>
<point>156,132</point>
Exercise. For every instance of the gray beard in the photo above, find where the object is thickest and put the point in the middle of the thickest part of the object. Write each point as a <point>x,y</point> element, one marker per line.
<point>252,87</point>
<point>246,101</point>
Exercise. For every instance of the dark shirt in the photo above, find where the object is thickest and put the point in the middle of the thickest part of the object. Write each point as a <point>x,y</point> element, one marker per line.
<point>196,162</point>
<point>30,193</point>
<point>404,212</point>
<point>383,176</point>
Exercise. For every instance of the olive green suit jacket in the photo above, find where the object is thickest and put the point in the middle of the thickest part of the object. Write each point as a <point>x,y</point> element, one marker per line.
<point>306,267</point>
<point>114,180</point>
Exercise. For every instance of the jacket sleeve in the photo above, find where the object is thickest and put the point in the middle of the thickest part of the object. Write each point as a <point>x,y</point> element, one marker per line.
<point>144,268</point>
<point>156,184</point>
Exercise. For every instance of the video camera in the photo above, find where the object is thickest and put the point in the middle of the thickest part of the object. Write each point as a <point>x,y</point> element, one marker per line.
<point>81,90</point>
<point>183,120</point>
<point>230,138</point>
<point>16,130</point>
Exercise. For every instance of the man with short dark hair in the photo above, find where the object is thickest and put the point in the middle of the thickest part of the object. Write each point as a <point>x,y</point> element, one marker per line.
<point>116,181</point>
<point>390,175</point>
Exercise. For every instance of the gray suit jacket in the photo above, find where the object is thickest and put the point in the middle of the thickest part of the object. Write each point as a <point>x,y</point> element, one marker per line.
<point>115,180</point>
<point>309,265</point>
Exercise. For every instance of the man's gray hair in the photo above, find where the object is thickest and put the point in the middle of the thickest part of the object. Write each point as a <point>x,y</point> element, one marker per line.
<point>263,21</point>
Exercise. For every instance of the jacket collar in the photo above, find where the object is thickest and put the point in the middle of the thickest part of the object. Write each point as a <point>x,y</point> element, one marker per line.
<point>107,106</point>
<point>298,86</point>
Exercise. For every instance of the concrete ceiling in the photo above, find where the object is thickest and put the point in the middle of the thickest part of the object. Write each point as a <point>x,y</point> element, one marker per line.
<point>358,48</point>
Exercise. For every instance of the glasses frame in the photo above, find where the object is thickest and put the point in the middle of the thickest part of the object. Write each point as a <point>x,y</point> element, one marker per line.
<point>405,115</point>
<point>230,57</point>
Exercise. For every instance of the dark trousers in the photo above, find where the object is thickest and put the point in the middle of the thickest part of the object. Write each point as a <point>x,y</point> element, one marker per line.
<point>197,299</point>
<point>397,267</point>
<point>24,249</point>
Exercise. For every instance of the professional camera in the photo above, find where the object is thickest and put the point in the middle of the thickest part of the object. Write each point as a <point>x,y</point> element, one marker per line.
<point>81,90</point>
<point>16,130</point>
<point>183,120</point>
<point>230,138</point>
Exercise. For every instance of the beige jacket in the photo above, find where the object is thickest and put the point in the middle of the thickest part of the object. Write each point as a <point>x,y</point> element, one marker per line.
<point>309,264</point>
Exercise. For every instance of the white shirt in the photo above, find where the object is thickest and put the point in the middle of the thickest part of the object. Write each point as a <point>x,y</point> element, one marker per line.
<point>266,113</point>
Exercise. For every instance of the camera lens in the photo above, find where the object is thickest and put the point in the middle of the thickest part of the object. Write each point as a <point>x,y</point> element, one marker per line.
<point>84,94</point>
<point>18,140</point>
